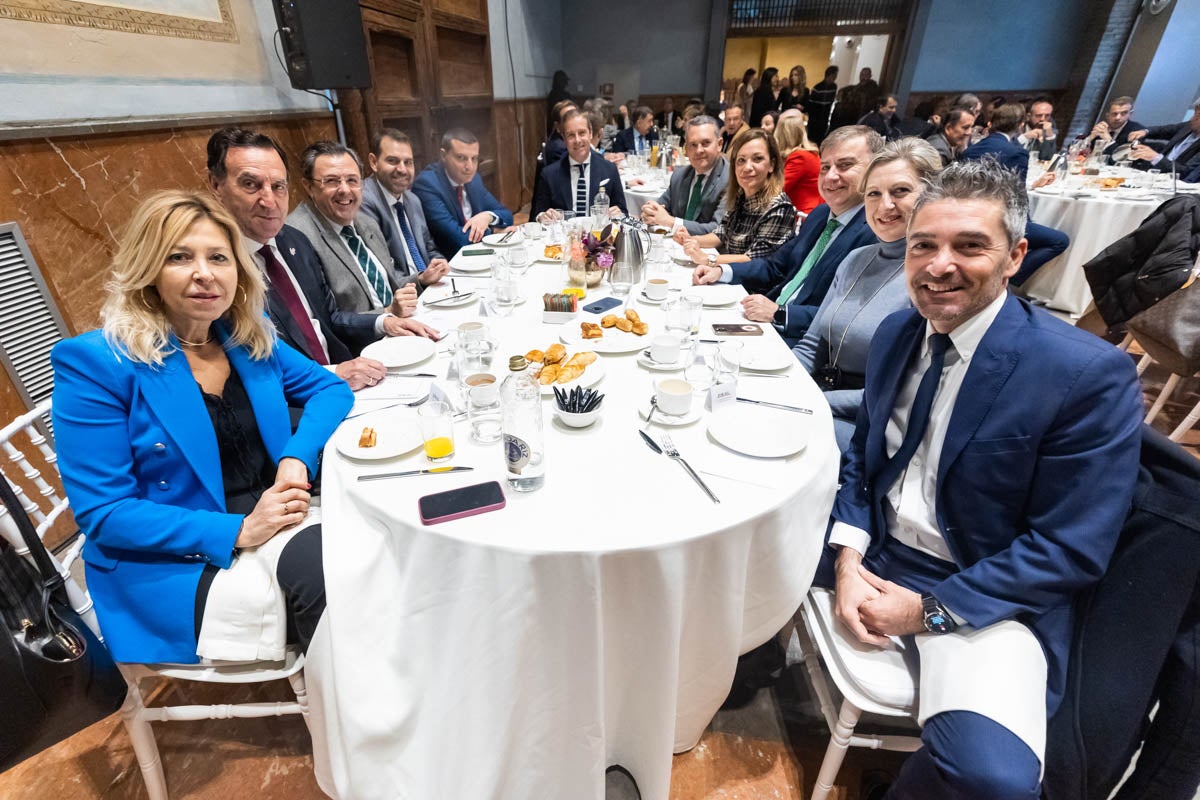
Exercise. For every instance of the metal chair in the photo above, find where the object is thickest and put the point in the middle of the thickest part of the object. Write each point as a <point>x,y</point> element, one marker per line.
<point>870,680</point>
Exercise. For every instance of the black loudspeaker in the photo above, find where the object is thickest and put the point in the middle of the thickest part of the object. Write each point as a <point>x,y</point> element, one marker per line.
<point>323,44</point>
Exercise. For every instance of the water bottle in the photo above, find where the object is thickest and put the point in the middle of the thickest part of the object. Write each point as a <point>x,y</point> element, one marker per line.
<point>600,206</point>
<point>521,423</point>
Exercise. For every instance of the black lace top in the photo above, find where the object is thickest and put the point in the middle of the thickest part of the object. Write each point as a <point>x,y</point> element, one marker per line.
<point>245,464</point>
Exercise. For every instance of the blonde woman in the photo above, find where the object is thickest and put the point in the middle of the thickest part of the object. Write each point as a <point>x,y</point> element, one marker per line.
<point>177,450</point>
<point>801,164</point>
<point>760,216</point>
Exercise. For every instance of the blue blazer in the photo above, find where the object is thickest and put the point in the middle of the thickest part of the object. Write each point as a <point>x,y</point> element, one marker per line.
<point>769,275</point>
<point>1009,154</point>
<point>556,185</point>
<point>444,214</point>
<point>346,332</point>
<point>624,141</point>
<point>141,467</point>
<point>1036,474</point>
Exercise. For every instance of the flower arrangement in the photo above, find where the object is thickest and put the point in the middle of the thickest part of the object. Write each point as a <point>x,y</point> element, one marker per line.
<point>591,258</point>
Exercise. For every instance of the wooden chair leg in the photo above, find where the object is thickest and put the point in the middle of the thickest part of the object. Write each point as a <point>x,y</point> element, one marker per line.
<point>839,741</point>
<point>1144,362</point>
<point>1188,423</point>
<point>1163,396</point>
<point>144,746</point>
<point>301,690</point>
<point>1124,345</point>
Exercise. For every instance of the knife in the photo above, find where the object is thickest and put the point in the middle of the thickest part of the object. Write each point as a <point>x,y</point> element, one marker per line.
<point>448,298</point>
<point>650,442</point>
<point>430,471</point>
<point>774,405</point>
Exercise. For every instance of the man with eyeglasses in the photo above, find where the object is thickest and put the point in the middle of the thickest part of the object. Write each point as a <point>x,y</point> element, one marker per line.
<point>458,208</point>
<point>352,249</point>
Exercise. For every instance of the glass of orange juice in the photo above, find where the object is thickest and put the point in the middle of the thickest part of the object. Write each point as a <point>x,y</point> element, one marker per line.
<point>437,430</point>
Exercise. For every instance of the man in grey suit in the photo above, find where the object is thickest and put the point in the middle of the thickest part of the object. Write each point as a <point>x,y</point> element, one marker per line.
<point>350,245</point>
<point>695,198</point>
<point>398,212</point>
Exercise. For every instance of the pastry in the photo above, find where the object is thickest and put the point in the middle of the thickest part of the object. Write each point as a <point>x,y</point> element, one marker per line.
<point>581,359</point>
<point>548,374</point>
<point>608,320</point>
<point>624,325</point>
<point>552,251</point>
<point>569,373</point>
<point>555,353</point>
<point>633,316</point>
<point>641,328</point>
<point>367,438</point>
<point>593,333</point>
<point>535,356</point>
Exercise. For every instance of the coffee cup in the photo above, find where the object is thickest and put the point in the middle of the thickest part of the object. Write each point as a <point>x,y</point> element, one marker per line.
<point>674,396</point>
<point>532,230</point>
<point>664,349</point>
<point>482,386</point>
<point>472,331</point>
<point>656,289</point>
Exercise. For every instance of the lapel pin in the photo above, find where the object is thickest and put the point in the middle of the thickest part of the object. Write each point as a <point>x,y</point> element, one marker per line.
<point>292,251</point>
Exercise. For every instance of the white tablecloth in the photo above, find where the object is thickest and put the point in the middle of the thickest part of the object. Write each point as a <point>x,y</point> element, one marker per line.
<point>1093,223</point>
<point>597,621</point>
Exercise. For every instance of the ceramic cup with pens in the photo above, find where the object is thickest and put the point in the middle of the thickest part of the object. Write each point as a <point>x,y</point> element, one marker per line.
<point>437,430</point>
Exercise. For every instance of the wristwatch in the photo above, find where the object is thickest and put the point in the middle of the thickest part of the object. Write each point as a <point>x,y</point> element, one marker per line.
<point>937,618</point>
<point>780,317</point>
<point>712,259</point>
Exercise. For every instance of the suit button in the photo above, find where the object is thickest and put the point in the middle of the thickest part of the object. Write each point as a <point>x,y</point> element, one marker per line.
<point>160,448</point>
<point>163,486</point>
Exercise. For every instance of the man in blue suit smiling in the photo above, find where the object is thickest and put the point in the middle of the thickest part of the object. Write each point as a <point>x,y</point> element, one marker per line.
<point>458,208</point>
<point>991,469</point>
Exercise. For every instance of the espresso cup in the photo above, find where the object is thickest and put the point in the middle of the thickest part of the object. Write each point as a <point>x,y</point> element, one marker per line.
<point>656,289</point>
<point>664,349</point>
<point>532,230</point>
<point>674,396</point>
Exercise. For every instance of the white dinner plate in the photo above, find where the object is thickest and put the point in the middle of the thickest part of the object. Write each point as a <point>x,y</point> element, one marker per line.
<point>649,363</point>
<point>673,420</point>
<point>613,341</point>
<point>473,264</point>
<point>493,239</point>
<point>716,295</point>
<point>401,351</point>
<point>395,435</point>
<point>591,376</point>
<point>760,431</point>
<point>766,360</point>
<point>440,296</point>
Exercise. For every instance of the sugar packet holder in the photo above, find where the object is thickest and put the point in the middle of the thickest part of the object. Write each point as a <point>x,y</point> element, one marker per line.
<point>559,308</point>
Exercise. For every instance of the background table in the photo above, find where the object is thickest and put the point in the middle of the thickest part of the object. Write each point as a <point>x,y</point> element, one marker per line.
<point>597,621</point>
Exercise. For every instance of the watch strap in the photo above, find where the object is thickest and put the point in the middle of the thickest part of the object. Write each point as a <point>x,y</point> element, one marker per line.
<point>937,617</point>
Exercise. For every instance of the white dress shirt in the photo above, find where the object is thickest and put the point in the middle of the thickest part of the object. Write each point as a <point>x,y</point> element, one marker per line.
<point>391,201</point>
<point>253,247</point>
<point>911,511</point>
<point>843,220</point>
<point>575,165</point>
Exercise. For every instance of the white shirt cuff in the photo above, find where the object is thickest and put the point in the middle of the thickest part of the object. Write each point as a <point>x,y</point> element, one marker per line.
<point>379,323</point>
<point>726,274</point>
<point>331,367</point>
<point>676,225</point>
<point>843,535</point>
<point>495,218</point>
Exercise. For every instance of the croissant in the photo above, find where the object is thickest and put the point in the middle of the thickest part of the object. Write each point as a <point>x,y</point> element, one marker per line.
<point>569,373</point>
<point>555,353</point>
<point>608,320</point>
<point>535,356</point>
<point>581,359</point>
<point>633,316</point>
<point>624,325</point>
<point>548,374</point>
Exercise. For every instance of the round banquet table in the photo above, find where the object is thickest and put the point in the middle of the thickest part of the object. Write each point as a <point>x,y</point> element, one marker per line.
<point>1093,221</point>
<point>597,621</point>
<point>638,196</point>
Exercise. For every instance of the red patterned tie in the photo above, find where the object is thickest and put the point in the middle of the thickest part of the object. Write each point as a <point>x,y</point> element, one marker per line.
<point>459,190</point>
<point>281,284</point>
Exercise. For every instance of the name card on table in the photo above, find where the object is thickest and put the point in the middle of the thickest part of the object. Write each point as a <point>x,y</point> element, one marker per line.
<point>722,395</point>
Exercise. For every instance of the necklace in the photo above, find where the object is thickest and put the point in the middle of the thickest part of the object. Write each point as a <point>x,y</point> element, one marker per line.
<point>186,343</point>
<point>834,355</point>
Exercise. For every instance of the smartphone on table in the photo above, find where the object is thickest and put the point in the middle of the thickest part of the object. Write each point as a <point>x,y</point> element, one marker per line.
<point>465,501</point>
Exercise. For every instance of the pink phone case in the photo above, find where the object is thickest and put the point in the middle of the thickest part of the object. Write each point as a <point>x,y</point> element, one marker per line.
<point>470,512</point>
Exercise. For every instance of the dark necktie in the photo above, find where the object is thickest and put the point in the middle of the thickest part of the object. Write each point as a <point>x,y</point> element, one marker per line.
<point>281,284</point>
<point>462,209</point>
<point>370,269</point>
<point>918,418</point>
<point>409,240</point>
<point>581,190</point>
<point>693,205</point>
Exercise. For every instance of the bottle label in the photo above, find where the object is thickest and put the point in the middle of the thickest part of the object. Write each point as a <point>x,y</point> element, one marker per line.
<point>516,453</point>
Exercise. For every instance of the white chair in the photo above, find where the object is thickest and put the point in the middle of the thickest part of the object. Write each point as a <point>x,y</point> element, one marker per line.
<point>870,680</point>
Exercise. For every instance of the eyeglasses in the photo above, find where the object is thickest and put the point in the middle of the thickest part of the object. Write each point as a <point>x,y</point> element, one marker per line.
<point>332,183</point>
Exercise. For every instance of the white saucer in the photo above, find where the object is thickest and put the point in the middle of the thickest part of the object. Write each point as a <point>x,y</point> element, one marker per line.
<point>672,420</point>
<point>649,363</point>
<point>401,351</point>
<point>716,295</point>
<point>766,360</point>
<point>396,435</point>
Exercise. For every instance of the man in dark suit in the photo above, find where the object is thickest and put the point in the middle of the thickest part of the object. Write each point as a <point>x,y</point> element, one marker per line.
<point>571,183</point>
<point>458,208</point>
<point>1037,134</point>
<point>352,249</point>
<point>248,175</point>
<point>734,117</point>
<point>788,286</point>
<point>1181,150</point>
<point>1000,144</point>
<point>1116,128</point>
<point>991,470</point>
<point>669,121</point>
<point>387,199</point>
<point>694,201</point>
<point>639,137</point>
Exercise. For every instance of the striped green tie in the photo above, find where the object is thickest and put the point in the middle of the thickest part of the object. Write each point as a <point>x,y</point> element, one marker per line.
<point>374,274</point>
<point>693,205</point>
<point>814,256</point>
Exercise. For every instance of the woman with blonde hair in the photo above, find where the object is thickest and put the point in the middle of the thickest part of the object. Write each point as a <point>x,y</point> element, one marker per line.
<point>760,216</point>
<point>177,450</point>
<point>801,164</point>
<point>869,283</point>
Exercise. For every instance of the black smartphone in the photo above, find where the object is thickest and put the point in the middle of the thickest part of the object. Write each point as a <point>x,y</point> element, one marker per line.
<point>736,329</point>
<point>462,502</point>
<point>600,306</point>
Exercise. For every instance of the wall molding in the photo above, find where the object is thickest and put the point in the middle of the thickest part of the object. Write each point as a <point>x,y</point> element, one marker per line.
<point>57,130</point>
<point>128,20</point>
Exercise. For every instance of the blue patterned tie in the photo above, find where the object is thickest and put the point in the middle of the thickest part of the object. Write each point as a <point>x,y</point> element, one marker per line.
<point>374,274</point>
<point>918,418</point>
<point>413,250</point>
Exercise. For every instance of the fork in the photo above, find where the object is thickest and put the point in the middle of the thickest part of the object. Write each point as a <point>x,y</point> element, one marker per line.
<point>673,453</point>
<point>390,405</point>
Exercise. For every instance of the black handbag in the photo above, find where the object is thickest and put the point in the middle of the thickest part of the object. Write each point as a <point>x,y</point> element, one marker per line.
<point>56,677</point>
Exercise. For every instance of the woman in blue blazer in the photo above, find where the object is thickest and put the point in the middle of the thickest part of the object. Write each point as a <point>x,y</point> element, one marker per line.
<point>176,448</point>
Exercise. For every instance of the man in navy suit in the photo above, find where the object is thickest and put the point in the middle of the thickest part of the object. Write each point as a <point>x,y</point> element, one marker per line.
<point>248,174</point>
<point>992,467</point>
<point>1116,128</point>
<point>788,286</point>
<point>571,183</point>
<point>387,199</point>
<point>458,208</point>
<point>638,138</point>
<point>1181,151</point>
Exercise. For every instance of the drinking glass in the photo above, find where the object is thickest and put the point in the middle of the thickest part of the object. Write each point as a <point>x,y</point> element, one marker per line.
<point>474,358</point>
<point>483,407</point>
<point>700,369</point>
<point>695,309</point>
<point>677,320</point>
<point>729,360</point>
<point>437,430</point>
<point>621,277</point>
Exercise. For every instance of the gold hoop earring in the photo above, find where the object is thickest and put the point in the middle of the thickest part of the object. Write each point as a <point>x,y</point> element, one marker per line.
<point>142,298</point>
<point>245,297</point>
